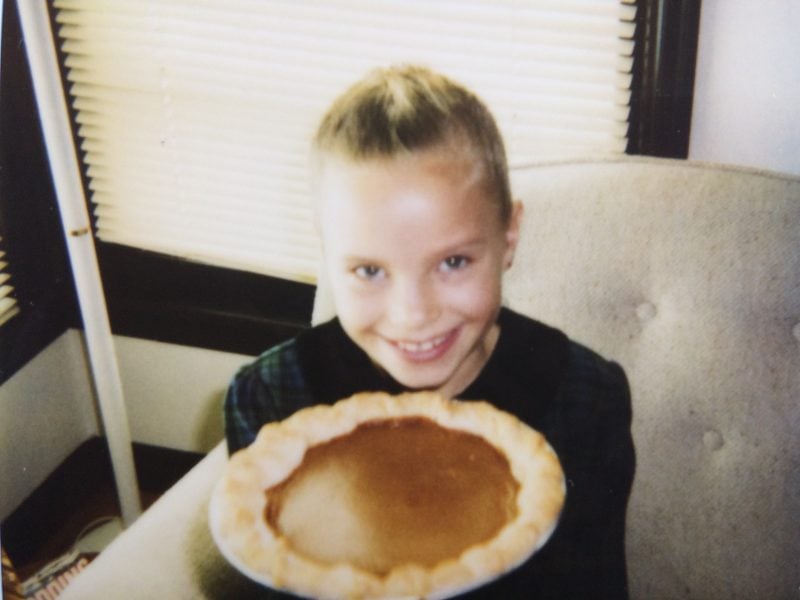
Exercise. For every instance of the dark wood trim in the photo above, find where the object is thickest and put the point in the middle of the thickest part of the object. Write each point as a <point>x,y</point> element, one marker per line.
<point>663,78</point>
<point>168,299</point>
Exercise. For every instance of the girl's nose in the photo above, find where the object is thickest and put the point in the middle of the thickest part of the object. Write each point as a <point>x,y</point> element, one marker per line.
<point>412,305</point>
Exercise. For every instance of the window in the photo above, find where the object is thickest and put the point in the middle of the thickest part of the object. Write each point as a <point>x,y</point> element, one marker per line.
<point>249,88</point>
<point>8,303</point>
<point>194,119</point>
<point>663,82</point>
<point>30,225</point>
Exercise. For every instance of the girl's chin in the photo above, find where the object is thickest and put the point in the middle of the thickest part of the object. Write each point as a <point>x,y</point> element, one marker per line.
<point>415,379</point>
<point>445,380</point>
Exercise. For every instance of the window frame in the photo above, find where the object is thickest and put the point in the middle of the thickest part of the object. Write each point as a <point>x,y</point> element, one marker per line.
<point>665,54</point>
<point>32,233</point>
<point>163,298</point>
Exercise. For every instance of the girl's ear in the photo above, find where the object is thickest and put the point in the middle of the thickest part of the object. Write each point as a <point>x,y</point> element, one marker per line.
<point>512,233</point>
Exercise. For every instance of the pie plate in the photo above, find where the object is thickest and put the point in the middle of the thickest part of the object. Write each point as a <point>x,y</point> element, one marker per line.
<point>381,496</point>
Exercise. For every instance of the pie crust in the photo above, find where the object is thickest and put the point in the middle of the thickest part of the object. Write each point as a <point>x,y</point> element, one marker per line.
<point>380,496</point>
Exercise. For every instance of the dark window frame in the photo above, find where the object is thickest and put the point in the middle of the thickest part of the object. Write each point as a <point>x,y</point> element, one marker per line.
<point>164,298</point>
<point>663,77</point>
<point>31,225</point>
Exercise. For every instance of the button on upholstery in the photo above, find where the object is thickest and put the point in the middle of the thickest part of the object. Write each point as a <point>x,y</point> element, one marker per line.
<point>712,440</point>
<point>646,311</point>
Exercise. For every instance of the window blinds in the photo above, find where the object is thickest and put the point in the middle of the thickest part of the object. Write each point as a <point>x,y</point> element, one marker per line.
<point>195,116</point>
<point>8,305</point>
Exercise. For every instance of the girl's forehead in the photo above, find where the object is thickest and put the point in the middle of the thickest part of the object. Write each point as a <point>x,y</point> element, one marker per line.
<point>405,209</point>
<point>436,172</point>
<point>404,189</point>
<point>447,155</point>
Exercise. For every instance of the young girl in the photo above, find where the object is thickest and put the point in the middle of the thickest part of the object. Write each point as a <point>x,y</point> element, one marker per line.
<point>417,227</point>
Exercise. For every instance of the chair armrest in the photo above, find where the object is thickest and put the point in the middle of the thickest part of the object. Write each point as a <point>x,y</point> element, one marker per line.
<point>168,552</point>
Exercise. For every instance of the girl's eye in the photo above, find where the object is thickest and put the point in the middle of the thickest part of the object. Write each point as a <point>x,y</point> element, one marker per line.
<point>368,272</point>
<point>454,263</point>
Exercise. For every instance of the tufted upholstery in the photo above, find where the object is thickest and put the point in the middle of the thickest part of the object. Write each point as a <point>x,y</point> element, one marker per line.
<point>689,276</point>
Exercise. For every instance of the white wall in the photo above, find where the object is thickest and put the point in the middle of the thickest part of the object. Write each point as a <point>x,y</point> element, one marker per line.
<point>747,85</point>
<point>174,393</point>
<point>46,412</point>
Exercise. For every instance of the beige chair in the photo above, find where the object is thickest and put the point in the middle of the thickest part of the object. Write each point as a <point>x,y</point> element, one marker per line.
<point>689,276</point>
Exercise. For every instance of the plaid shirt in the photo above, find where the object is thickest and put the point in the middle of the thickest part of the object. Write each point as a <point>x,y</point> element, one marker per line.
<point>577,399</point>
<point>269,389</point>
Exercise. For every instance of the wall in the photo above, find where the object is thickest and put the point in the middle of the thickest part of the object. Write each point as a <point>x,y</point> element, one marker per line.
<point>52,405</point>
<point>173,395</point>
<point>747,86</point>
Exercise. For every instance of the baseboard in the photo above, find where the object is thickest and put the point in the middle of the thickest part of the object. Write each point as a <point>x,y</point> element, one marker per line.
<point>74,480</point>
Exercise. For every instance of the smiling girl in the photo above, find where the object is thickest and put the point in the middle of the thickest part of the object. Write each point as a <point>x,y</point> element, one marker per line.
<point>417,225</point>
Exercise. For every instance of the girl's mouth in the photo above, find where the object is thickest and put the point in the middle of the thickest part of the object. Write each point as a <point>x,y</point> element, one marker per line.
<point>426,350</point>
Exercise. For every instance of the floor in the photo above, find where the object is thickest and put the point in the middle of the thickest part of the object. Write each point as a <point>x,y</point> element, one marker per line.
<point>100,505</point>
<point>80,496</point>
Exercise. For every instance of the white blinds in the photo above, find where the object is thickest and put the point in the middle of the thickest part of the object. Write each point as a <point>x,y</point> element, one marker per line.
<point>196,115</point>
<point>8,305</point>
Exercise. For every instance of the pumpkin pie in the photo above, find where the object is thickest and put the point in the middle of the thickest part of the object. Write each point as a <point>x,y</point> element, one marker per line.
<point>382,496</point>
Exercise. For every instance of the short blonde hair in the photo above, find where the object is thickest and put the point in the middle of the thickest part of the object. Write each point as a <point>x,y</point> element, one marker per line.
<point>403,109</point>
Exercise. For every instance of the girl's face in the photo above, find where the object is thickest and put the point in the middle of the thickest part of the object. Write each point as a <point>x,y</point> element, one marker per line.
<point>415,250</point>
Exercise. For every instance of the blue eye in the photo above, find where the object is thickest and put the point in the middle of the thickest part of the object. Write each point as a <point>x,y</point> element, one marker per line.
<point>368,272</point>
<point>454,263</point>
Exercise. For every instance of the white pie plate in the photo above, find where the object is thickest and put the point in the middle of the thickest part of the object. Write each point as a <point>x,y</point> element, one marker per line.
<point>238,502</point>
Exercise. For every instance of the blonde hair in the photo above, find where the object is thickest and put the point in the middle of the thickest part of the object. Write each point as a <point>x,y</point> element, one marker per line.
<point>402,109</point>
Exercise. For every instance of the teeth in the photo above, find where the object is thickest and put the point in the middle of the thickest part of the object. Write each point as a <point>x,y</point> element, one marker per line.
<point>421,346</point>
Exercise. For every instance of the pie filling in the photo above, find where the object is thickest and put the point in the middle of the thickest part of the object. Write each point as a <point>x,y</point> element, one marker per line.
<point>393,492</point>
